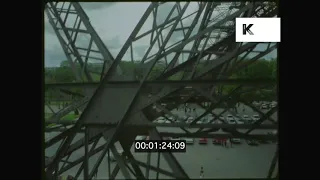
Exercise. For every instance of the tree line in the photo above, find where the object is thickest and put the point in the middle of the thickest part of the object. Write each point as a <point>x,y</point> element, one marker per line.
<point>260,69</point>
<point>64,74</point>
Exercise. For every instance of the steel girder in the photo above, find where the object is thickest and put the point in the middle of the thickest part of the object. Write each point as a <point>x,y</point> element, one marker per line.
<point>68,29</point>
<point>241,58</point>
<point>213,43</point>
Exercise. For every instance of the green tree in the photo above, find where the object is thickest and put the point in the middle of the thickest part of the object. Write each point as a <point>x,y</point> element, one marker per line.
<point>273,67</point>
<point>63,75</point>
<point>65,64</point>
<point>260,69</point>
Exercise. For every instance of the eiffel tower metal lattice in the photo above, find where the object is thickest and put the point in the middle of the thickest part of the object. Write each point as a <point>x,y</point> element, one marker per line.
<point>124,104</point>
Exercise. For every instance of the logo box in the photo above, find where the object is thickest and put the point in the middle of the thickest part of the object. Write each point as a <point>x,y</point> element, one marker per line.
<point>258,29</point>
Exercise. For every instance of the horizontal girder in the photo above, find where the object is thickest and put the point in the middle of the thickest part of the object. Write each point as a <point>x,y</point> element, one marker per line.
<point>188,125</point>
<point>181,83</point>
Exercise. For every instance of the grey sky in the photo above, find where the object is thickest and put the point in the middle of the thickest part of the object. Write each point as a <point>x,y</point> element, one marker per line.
<point>113,22</point>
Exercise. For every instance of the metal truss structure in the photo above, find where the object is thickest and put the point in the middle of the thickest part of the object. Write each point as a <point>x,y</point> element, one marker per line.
<point>208,36</point>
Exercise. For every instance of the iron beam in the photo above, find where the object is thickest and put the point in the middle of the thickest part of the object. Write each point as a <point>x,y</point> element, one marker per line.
<point>185,125</point>
<point>171,160</point>
<point>154,84</point>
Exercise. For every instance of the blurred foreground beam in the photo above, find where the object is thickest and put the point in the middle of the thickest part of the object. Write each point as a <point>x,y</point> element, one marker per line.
<point>130,84</point>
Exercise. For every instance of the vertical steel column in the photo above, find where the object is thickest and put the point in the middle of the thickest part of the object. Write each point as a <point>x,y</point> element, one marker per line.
<point>82,165</point>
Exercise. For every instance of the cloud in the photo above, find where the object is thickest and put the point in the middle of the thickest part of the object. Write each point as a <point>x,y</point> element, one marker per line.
<point>96,5</point>
<point>114,43</point>
<point>163,12</point>
<point>54,56</point>
<point>47,26</point>
<point>140,50</point>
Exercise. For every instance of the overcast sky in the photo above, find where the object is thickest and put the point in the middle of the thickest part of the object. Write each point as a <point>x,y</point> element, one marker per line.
<point>113,22</point>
